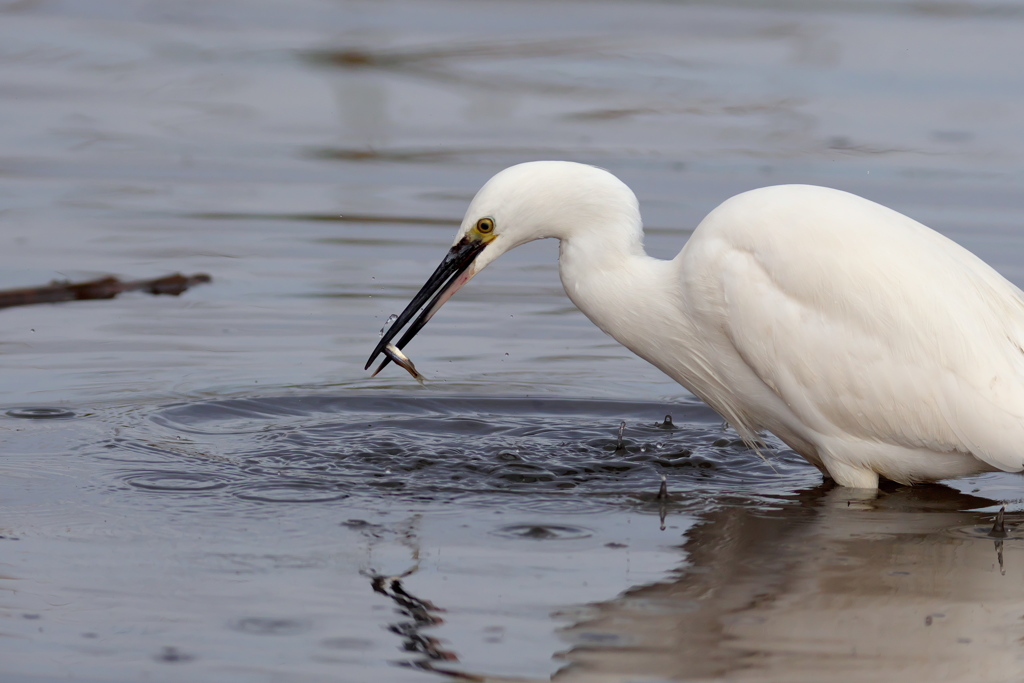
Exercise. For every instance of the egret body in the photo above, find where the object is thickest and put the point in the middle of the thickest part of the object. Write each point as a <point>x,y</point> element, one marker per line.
<point>869,343</point>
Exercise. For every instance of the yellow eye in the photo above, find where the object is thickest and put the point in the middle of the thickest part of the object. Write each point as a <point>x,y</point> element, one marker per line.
<point>485,226</point>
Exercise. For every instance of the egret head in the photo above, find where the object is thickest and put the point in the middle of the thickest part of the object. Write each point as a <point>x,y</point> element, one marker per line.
<point>523,203</point>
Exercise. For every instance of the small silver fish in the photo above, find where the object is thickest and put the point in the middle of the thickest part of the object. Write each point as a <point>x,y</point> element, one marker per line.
<point>396,355</point>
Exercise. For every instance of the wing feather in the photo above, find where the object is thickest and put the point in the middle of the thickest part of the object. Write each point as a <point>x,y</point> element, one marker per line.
<point>867,323</point>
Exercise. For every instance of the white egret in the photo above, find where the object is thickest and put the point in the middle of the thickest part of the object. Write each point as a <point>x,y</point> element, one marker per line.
<point>870,344</point>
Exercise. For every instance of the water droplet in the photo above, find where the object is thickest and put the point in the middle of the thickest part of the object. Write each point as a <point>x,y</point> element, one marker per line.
<point>999,527</point>
<point>388,323</point>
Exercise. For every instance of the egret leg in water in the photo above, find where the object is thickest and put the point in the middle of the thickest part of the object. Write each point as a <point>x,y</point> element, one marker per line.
<point>869,343</point>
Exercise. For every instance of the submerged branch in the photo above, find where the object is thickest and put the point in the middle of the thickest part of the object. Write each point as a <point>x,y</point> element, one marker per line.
<point>103,288</point>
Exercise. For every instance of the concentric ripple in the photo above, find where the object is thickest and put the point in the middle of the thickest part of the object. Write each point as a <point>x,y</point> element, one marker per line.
<point>39,413</point>
<point>174,482</point>
<point>287,450</point>
<point>543,532</point>
<point>291,492</point>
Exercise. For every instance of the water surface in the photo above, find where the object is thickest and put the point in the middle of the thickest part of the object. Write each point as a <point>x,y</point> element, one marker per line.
<point>222,493</point>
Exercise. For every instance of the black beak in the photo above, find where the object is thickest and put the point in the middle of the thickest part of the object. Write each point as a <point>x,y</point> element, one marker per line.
<point>441,285</point>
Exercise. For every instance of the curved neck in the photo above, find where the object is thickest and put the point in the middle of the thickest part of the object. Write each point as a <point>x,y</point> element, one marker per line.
<point>635,298</point>
<point>640,301</point>
<point>599,247</point>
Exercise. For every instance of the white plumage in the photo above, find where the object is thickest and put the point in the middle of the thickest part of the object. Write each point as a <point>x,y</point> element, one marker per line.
<point>867,342</point>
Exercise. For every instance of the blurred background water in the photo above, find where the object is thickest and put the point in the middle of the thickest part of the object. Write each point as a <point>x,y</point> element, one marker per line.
<point>232,484</point>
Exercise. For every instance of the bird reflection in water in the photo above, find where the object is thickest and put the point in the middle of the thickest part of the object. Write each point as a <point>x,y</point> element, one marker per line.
<point>826,586</point>
<point>822,584</point>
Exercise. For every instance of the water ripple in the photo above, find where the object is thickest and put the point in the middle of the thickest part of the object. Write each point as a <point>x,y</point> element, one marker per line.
<point>538,454</point>
<point>39,413</point>
<point>290,492</point>
<point>543,532</point>
<point>270,626</point>
<point>164,481</point>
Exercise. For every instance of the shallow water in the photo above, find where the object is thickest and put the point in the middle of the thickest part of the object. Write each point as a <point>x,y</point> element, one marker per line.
<point>217,491</point>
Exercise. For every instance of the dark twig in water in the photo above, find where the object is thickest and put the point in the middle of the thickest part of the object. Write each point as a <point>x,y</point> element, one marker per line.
<point>103,288</point>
